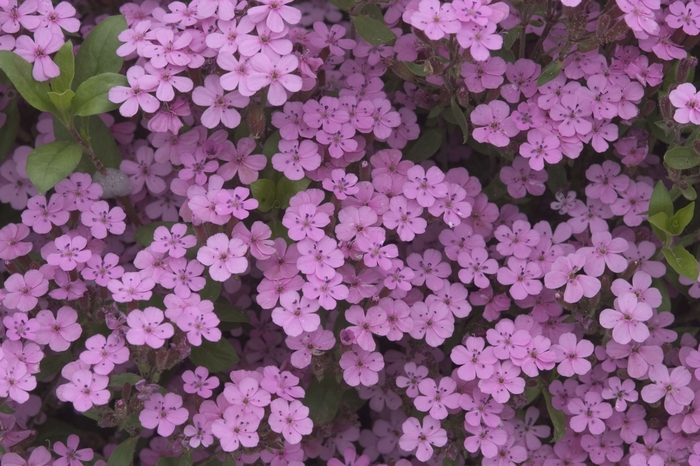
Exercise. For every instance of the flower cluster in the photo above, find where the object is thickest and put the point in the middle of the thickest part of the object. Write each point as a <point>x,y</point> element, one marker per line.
<point>348,232</point>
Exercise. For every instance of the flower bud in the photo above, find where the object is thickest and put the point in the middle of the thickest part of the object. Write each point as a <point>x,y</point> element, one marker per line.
<point>665,107</point>
<point>256,121</point>
<point>684,67</point>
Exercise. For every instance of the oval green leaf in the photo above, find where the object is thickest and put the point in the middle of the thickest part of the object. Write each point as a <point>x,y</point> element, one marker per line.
<point>51,163</point>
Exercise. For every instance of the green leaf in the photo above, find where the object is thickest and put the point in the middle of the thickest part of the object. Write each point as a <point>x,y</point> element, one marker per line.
<point>211,291</point>
<point>51,163</point>
<point>682,158</point>
<point>688,193</point>
<point>8,132</point>
<point>215,356</point>
<point>417,69</point>
<point>92,96</point>
<point>227,312</point>
<point>62,102</point>
<point>53,364</point>
<point>549,73</point>
<point>118,380</point>
<point>461,119</point>
<point>287,188</point>
<point>556,177</point>
<point>168,461</point>
<point>375,32</point>
<point>98,54</point>
<point>660,201</point>
<point>660,221</point>
<point>271,146</point>
<point>123,454</point>
<point>19,71</point>
<point>65,60</point>
<point>681,219</point>
<point>510,36</point>
<point>426,146</point>
<point>681,261</point>
<point>101,140</point>
<point>344,5</point>
<point>186,459</point>
<point>264,191</point>
<point>557,417</point>
<point>323,399</point>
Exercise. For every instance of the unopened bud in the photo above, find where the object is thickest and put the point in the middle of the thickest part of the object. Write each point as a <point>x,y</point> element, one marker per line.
<point>665,107</point>
<point>648,108</point>
<point>684,67</point>
<point>256,121</point>
<point>463,96</point>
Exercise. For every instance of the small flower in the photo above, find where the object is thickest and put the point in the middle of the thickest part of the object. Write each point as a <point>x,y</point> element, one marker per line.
<point>104,353</point>
<point>69,252</point>
<point>84,390</point>
<point>58,332</point>
<point>146,328</point>
<point>164,413</point>
<point>223,256</point>
<point>291,419</point>
<point>422,438</point>
<point>361,367</point>
<point>102,220</point>
<point>589,413</point>
<point>572,355</point>
<point>672,387</point>
<point>199,382</point>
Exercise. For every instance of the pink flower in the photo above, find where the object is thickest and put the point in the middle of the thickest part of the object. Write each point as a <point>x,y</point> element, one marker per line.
<point>485,438</point>
<point>101,220</point>
<point>199,321</point>
<point>605,181</point>
<point>277,75</point>
<point>69,252</point>
<point>16,381</point>
<point>686,16</point>
<point>102,270</point>
<point>137,95</point>
<point>341,184</point>
<point>422,437</point>
<point>220,105</point>
<point>243,162</point>
<point>475,359</point>
<point>374,323</point>
<point>361,367</point>
<point>589,413</point>
<point>295,158</point>
<point>475,265</point>
<point>672,387</point>
<point>573,112</point>
<point>41,215</point>
<point>132,287</point>
<point>291,419</point>
<point>248,396</point>
<point>425,187</point>
<point>223,256</point>
<point>296,314</point>
<point>146,328</point>
<point>320,258</point>
<point>565,272</point>
<point>435,323</point>
<point>517,241</point>
<point>236,429</point>
<point>436,399</point>
<point>687,102</point>
<point>175,241</point>
<point>163,412</point>
<point>626,319</point>
<point>104,353</point>
<point>37,51</point>
<point>605,250</point>
<point>435,19</point>
<point>11,244</point>
<point>496,127</point>
<point>23,291</point>
<point>275,13</point>
<point>84,390</point>
<point>70,455</point>
<point>541,146</point>
<point>145,171</point>
<point>503,382</point>
<point>621,392</point>
<point>479,39</point>
<point>572,355</point>
<point>199,382</point>
<point>58,332</point>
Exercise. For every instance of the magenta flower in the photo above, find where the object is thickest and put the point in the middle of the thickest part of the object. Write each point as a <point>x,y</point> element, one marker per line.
<point>70,455</point>
<point>684,16</point>
<point>296,314</point>
<point>627,319</point>
<point>102,220</point>
<point>517,241</point>
<point>11,244</point>
<point>687,102</point>
<point>475,265</point>
<point>621,392</point>
<point>145,171</point>
<point>436,20</point>
<point>69,252</point>
<point>504,381</point>
<point>236,429</point>
<point>199,382</point>
<point>341,184</point>
<point>565,271</point>
<point>164,413</point>
<point>435,323</point>
<point>137,95</point>
<point>277,75</point>
<point>275,13</point>
<point>37,51</point>
<point>422,438</point>
<point>295,158</point>
<point>42,215</point>
<point>84,390</point>
<point>606,181</point>
<point>361,367</point>
<point>374,323</point>
<point>132,287</point>
<point>320,258</point>
<point>475,359</point>
<point>16,381</point>
<point>589,413</point>
<point>404,216</point>
<point>291,419</point>
<point>479,39</point>
<point>23,291</point>
<point>146,328</point>
<point>425,187</point>
<point>571,355</point>
<point>220,105</point>
<point>437,399</point>
<point>104,353</point>
<point>672,387</point>
<point>605,250</point>
<point>541,146</point>
<point>58,332</point>
<point>496,127</point>
<point>175,241</point>
<point>223,256</point>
